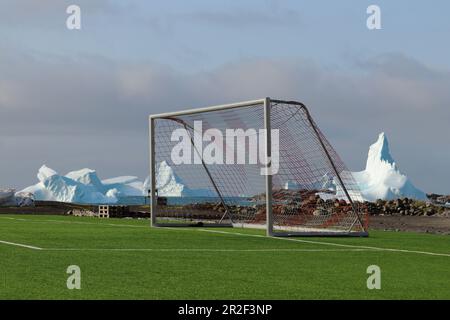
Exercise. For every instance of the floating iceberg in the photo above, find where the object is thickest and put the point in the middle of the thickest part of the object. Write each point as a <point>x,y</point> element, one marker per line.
<point>81,186</point>
<point>84,186</point>
<point>169,184</point>
<point>382,179</point>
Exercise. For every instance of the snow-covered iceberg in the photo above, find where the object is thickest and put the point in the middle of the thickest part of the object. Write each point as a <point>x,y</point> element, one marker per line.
<point>81,186</point>
<point>169,184</point>
<point>124,186</point>
<point>84,186</point>
<point>382,179</point>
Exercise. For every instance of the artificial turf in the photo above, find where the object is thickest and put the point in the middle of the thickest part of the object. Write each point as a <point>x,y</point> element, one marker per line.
<point>126,259</point>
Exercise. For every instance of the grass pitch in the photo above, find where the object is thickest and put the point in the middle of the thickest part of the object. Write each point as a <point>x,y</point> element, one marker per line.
<point>125,259</point>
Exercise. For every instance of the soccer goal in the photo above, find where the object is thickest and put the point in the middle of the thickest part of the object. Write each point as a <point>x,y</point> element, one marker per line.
<point>254,164</point>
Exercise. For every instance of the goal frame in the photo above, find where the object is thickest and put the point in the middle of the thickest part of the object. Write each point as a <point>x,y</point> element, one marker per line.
<point>266,102</point>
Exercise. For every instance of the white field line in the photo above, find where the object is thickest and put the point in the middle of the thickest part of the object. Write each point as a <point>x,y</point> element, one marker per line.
<point>9,218</point>
<point>329,243</point>
<point>97,224</point>
<point>75,222</point>
<point>168,249</point>
<point>203,249</point>
<point>20,245</point>
<point>246,235</point>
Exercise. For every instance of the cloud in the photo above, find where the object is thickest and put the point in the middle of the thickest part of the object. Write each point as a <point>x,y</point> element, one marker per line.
<point>243,17</point>
<point>92,111</point>
<point>401,66</point>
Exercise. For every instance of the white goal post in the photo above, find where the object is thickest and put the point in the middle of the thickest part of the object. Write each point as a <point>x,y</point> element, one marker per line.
<point>255,164</point>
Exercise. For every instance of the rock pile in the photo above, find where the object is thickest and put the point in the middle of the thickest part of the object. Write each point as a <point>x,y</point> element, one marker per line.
<point>405,207</point>
<point>291,206</point>
<point>298,206</point>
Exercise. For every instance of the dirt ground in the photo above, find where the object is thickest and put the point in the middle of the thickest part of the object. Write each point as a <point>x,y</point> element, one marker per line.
<point>438,225</point>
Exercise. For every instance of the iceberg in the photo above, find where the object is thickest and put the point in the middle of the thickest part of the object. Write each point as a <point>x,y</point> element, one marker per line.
<point>84,186</point>
<point>382,179</point>
<point>125,186</point>
<point>169,184</point>
<point>86,177</point>
<point>81,186</point>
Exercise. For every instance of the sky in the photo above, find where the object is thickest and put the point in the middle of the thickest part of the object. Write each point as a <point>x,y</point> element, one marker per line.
<point>81,98</point>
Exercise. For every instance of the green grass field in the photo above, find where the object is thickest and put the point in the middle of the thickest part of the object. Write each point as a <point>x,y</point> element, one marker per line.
<point>126,259</point>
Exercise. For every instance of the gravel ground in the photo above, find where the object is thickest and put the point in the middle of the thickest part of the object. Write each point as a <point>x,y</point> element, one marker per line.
<point>438,225</point>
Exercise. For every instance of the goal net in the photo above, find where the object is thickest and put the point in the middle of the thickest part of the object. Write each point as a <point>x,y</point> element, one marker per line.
<point>256,164</point>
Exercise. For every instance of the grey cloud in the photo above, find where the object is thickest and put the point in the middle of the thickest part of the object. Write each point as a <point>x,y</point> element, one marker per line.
<point>240,17</point>
<point>401,66</point>
<point>102,16</point>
